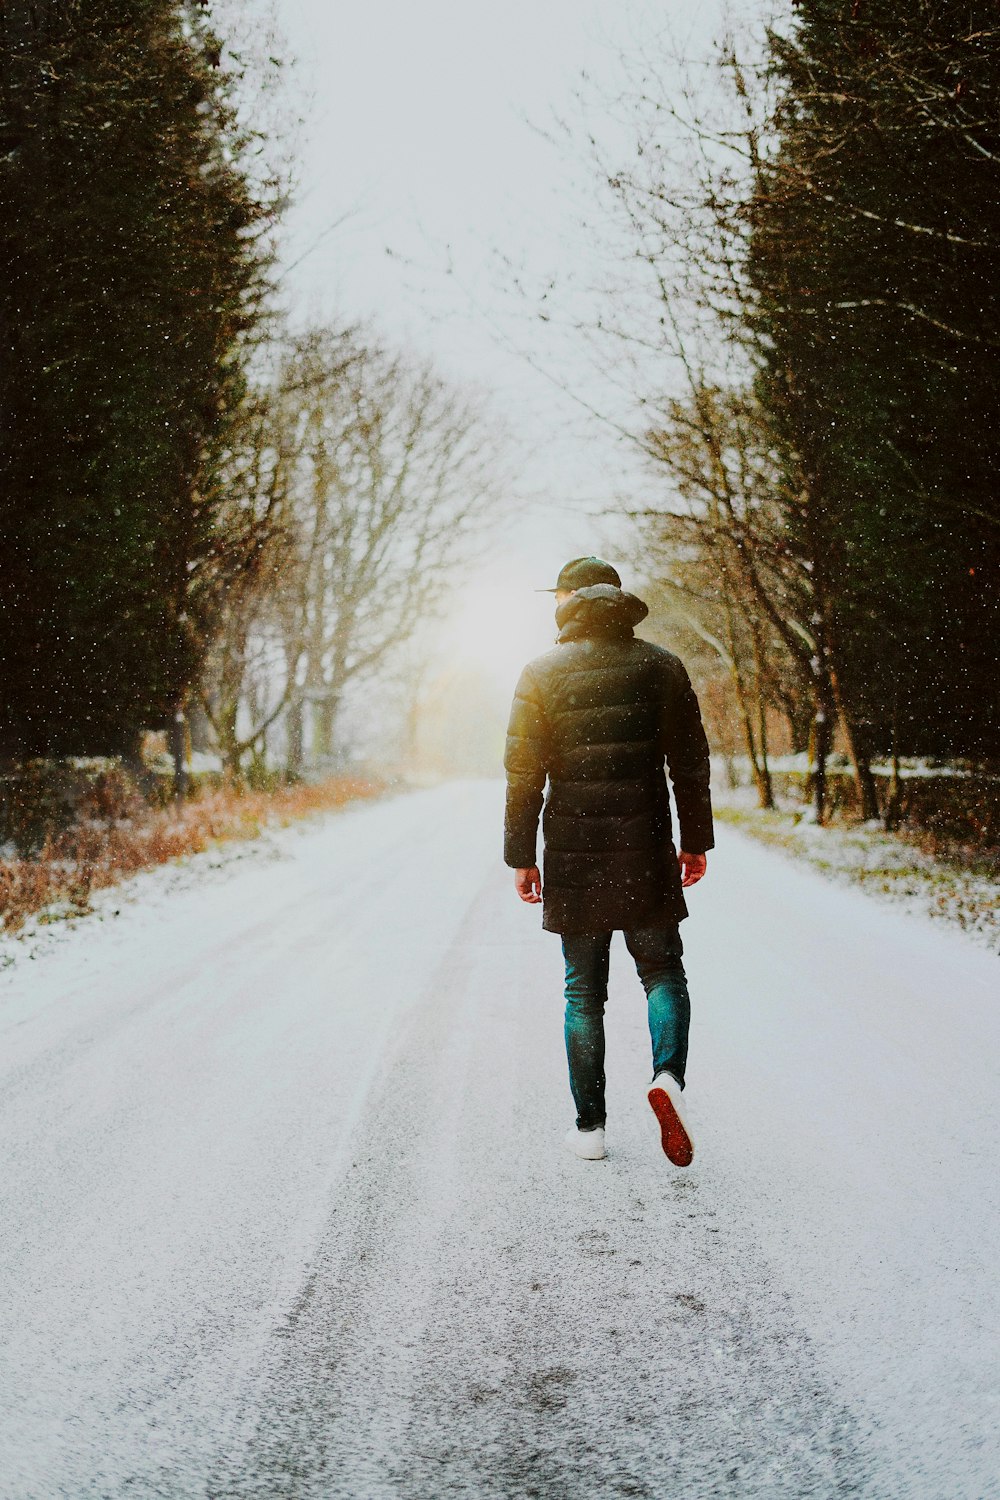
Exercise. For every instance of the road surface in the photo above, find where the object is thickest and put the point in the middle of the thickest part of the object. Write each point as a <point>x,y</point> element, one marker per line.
<point>285,1210</point>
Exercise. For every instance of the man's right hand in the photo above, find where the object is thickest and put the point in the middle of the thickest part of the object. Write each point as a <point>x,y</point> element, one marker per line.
<point>528,884</point>
<point>693,867</point>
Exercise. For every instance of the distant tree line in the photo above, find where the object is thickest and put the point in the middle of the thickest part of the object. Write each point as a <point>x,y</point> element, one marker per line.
<point>822,249</point>
<point>200,513</point>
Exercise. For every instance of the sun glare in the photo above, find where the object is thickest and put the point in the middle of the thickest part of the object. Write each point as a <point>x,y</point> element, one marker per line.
<point>497,629</point>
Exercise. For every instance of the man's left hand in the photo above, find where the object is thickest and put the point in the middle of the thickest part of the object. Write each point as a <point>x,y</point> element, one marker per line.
<point>693,867</point>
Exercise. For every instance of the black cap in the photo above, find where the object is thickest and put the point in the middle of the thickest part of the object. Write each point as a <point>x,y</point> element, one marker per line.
<point>583,573</point>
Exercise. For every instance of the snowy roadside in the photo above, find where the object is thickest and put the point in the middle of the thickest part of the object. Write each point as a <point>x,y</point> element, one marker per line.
<point>963,893</point>
<point>148,890</point>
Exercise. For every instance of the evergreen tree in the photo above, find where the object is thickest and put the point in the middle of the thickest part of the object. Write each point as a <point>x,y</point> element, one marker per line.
<point>875,259</point>
<point>131,276</point>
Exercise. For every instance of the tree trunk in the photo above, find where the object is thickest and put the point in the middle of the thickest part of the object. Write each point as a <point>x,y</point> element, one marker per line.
<point>894,805</point>
<point>765,789</point>
<point>819,747</point>
<point>864,780</point>
<point>177,739</point>
<point>294,731</point>
<point>229,744</point>
<point>199,727</point>
<point>761,782</point>
<point>322,737</point>
<point>324,725</point>
<point>821,741</point>
<point>760,777</point>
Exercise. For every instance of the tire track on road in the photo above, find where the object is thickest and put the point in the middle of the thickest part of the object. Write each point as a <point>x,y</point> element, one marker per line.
<point>488,1317</point>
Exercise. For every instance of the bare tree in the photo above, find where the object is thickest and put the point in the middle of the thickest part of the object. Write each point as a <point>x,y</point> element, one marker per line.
<point>242,687</point>
<point>738,525</point>
<point>723,557</point>
<point>377,476</point>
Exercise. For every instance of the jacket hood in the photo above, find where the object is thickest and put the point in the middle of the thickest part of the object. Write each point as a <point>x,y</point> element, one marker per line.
<point>601,610</point>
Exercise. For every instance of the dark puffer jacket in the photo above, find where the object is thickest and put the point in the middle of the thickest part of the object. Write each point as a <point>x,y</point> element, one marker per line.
<point>597,715</point>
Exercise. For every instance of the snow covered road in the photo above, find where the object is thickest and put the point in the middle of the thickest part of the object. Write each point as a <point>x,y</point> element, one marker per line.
<point>285,1210</point>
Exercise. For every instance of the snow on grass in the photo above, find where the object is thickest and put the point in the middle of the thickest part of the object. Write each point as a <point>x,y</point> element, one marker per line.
<point>94,866</point>
<point>911,767</point>
<point>60,920</point>
<point>963,887</point>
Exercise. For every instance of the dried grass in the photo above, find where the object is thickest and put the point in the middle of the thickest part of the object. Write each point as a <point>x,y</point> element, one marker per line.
<point>99,851</point>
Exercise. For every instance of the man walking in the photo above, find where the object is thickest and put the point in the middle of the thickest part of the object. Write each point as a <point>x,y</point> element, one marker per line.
<point>597,716</point>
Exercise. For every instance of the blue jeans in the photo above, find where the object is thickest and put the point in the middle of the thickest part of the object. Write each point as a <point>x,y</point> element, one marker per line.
<point>657,953</point>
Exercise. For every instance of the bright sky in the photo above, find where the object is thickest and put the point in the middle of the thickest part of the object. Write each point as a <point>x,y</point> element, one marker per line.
<point>423,124</point>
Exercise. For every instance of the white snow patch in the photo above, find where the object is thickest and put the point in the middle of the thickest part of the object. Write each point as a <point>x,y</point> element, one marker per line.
<point>888,867</point>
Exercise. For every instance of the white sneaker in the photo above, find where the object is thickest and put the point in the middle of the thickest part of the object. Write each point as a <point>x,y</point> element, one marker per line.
<point>587,1144</point>
<point>665,1101</point>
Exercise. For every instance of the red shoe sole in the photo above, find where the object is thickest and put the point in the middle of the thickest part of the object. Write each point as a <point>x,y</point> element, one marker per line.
<point>674,1138</point>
